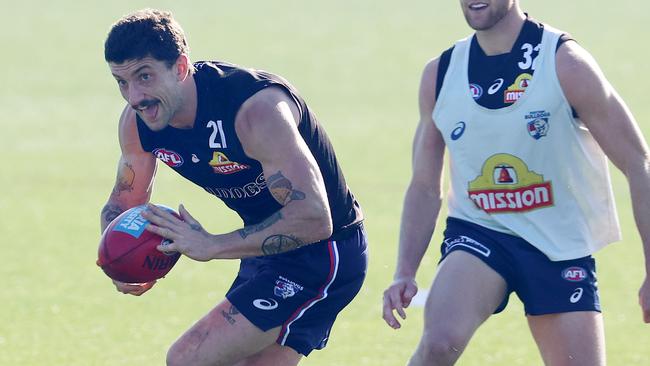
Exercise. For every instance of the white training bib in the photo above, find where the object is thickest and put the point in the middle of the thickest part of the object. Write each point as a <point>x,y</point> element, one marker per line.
<point>530,169</point>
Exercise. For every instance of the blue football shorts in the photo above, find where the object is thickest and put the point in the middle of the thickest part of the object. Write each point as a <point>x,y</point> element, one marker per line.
<point>542,285</point>
<point>303,290</point>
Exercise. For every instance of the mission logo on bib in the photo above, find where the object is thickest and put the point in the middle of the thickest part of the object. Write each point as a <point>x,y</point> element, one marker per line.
<point>507,185</point>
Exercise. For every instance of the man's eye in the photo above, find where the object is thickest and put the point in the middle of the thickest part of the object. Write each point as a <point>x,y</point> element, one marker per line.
<point>121,83</point>
<point>145,77</point>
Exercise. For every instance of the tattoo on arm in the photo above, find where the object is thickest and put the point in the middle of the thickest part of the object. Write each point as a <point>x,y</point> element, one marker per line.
<point>229,315</point>
<point>125,178</point>
<point>110,212</point>
<point>276,244</point>
<point>282,190</point>
<point>248,230</point>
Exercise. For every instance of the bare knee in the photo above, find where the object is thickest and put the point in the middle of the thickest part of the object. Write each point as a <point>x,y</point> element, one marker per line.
<point>440,347</point>
<point>186,352</point>
<point>178,354</point>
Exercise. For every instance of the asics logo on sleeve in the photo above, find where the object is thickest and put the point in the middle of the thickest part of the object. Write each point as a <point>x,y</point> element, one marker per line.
<point>457,132</point>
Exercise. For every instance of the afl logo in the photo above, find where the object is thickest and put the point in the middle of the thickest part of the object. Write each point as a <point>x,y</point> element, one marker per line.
<point>457,132</point>
<point>171,158</point>
<point>574,274</point>
<point>476,91</point>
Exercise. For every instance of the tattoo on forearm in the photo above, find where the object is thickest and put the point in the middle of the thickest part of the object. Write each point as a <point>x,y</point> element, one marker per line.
<point>110,212</point>
<point>276,244</point>
<point>125,178</point>
<point>282,190</point>
<point>248,230</point>
<point>229,315</point>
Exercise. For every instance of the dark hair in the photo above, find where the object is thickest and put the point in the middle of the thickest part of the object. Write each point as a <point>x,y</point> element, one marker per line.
<point>145,33</point>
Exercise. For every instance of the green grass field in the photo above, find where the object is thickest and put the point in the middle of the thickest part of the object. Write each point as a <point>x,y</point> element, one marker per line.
<point>358,64</point>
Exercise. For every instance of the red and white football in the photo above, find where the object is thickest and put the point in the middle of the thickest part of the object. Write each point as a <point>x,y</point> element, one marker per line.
<point>127,252</point>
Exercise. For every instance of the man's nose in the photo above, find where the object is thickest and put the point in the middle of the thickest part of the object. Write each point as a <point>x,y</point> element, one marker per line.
<point>134,96</point>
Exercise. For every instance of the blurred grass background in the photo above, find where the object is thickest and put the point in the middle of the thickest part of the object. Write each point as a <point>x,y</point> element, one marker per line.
<point>357,63</point>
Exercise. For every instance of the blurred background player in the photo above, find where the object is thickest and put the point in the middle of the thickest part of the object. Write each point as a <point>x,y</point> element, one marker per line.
<point>528,119</point>
<point>247,137</point>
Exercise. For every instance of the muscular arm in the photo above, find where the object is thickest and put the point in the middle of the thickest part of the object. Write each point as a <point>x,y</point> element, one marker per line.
<point>135,172</point>
<point>614,128</point>
<point>421,203</point>
<point>423,195</point>
<point>267,127</point>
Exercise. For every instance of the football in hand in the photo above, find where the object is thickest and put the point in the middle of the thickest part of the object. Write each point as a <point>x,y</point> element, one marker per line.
<point>127,251</point>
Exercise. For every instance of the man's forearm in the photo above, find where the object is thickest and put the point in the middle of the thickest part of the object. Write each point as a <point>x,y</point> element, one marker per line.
<point>108,214</point>
<point>639,182</point>
<point>418,222</point>
<point>285,230</point>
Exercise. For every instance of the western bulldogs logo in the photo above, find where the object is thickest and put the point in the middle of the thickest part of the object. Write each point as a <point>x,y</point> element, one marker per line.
<point>538,124</point>
<point>285,288</point>
<point>538,128</point>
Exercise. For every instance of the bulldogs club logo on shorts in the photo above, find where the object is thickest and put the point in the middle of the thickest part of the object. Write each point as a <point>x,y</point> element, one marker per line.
<point>285,288</point>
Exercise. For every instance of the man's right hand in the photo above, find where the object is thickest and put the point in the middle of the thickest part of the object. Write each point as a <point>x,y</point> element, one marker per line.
<point>397,297</point>
<point>135,289</point>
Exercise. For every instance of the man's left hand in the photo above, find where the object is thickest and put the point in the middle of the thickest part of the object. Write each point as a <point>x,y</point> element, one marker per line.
<point>187,235</point>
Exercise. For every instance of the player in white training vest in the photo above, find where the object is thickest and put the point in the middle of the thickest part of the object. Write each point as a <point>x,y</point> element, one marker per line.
<point>529,120</point>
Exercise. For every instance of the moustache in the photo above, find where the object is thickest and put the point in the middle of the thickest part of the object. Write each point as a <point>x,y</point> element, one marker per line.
<point>145,103</point>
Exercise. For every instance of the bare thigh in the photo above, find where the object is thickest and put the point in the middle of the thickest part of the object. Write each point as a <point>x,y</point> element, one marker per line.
<point>225,337</point>
<point>575,338</point>
<point>464,293</point>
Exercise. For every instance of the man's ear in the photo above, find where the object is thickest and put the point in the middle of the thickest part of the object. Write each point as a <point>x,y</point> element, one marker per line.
<point>182,67</point>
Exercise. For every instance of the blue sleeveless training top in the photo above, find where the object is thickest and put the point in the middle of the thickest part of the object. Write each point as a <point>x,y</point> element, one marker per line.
<point>210,154</point>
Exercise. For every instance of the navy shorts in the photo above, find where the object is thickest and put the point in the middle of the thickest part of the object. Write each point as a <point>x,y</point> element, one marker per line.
<point>303,290</point>
<point>544,286</point>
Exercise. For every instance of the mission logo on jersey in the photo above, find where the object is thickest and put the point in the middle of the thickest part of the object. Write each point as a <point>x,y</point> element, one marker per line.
<point>517,89</point>
<point>507,185</point>
<point>222,165</point>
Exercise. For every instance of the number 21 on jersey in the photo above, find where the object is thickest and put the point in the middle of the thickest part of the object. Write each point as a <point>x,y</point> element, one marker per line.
<point>217,138</point>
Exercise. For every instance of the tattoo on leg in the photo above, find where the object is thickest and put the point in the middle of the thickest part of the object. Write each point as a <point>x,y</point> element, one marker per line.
<point>276,244</point>
<point>229,314</point>
<point>248,230</point>
<point>282,190</point>
<point>125,178</point>
<point>110,212</point>
<point>197,337</point>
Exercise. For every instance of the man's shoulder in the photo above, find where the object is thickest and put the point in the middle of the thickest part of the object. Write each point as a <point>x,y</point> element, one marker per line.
<point>230,72</point>
<point>128,133</point>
